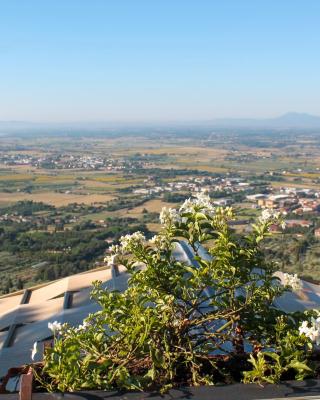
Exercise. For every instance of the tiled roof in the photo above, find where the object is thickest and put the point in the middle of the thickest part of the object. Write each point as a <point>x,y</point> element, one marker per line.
<point>24,315</point>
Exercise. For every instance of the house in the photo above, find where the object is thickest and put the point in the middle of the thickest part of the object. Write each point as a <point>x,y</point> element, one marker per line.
<point>275,228</point>
<point>256,197</point>
<point>141,191</point>
<point>302,223</point>
<point>276,201</point>
<point>223,202</point>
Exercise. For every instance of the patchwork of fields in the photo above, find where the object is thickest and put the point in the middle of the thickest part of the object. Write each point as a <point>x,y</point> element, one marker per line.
<point>99,188</point>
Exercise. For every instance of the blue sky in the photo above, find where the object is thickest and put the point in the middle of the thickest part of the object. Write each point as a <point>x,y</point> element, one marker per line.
<point>159,60</point>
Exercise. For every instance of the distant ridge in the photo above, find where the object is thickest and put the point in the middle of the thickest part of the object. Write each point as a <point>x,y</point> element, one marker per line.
<point>290,120</point>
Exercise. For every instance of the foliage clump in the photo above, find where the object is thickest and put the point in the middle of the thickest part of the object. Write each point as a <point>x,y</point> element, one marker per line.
<point>179,323</point>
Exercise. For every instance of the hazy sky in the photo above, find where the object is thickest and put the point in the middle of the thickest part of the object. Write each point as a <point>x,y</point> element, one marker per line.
<point>135,60</point>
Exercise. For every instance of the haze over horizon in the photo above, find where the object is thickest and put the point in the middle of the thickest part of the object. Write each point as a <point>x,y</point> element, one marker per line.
<point>290,120</point>
<point>125,61</point>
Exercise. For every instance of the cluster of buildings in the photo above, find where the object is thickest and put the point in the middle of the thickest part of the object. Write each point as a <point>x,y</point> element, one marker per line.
<point>196,184</point>
<point>297,201</point>
<point>14,218</point>
<point>282,202</point>
<point>290,201</point>
<point>38,220</point>
<point>69,161</point>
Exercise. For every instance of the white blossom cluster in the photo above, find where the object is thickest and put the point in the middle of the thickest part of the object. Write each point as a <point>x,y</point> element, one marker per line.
<point>83,327</point>
<point>111,259</point>
<point>169,216</point>
<point>201,201</point>
<point>312,332</point>
<point>55,326</point>
<point>115,249</point>
<point>268,215</point>
<point>160,241</point>
<point>271,216</point>
<point>292,280</point>
<point>128,241</point>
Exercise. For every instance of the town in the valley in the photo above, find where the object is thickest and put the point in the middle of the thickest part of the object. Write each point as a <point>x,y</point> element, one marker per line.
<point>64,201</point>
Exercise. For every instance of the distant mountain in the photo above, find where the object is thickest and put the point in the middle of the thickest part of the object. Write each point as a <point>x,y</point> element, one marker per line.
<point>288,120</point>
<point>297,119</point>
<point>291,120</point>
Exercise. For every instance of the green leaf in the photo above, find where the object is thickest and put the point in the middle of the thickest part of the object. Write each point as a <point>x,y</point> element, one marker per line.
<point>299,366</point>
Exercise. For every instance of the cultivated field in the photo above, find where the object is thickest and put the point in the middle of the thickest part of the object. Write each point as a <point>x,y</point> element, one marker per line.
<point>103,187</point>
<point>55,199</point>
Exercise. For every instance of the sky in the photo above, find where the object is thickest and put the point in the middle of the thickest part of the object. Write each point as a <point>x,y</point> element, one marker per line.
<point>158,60</point>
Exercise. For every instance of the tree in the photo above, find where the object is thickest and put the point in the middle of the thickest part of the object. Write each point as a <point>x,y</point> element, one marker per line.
<point>19,284</point>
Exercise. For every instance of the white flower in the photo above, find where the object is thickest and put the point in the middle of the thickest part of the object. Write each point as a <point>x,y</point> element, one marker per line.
<point>293,281</point>
<point>55,326</point>
<point>83,327</point>
<point>265,216</point>
<point>34,350</point>
<point>312,332</point>
<point>269,216</point>
<point>283,225</point>
<point>201,201</point>
<point>187,206</point>
<point>304,328</point>
<point>160,241</point>
<point>115,249</point>
<point>169,216</point>
<point>154,239</point>
<point>128,241</point>
<point>202,198</point>
<point>110,260</point>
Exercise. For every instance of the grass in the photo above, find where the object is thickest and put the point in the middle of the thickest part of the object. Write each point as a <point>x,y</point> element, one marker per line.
<point>97,216</point>
<point>16,177</point>
<point>55,199</point>
<point>154,205</point>
<point>54,178</point>
<point>295,184</point>
<point>209,168</point>
<point>304,175</point>
<point>153,227</point>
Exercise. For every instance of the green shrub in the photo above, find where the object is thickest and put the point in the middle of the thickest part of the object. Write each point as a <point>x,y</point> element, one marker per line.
<point>167,327</point>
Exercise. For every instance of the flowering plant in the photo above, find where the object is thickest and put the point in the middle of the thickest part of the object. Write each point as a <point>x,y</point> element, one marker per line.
<point>310,328</point>
<point>292,281</point>
<point>175,318</point>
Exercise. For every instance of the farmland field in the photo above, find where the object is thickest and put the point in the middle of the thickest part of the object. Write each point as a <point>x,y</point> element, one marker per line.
<point>55,199</point>
<point>64,200</point>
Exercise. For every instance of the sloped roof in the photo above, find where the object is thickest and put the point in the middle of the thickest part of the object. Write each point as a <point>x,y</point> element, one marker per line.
<point>305,299</point>
<point>23,324</point>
